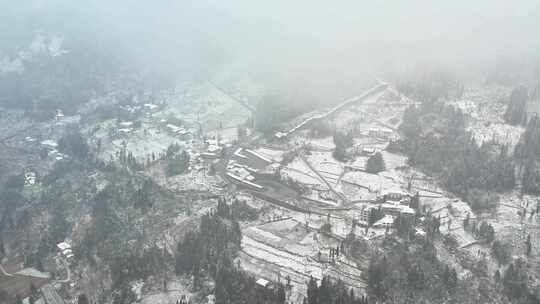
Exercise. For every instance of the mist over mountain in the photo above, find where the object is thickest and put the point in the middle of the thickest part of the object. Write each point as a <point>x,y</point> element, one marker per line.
<point>277,152</point>
<point>306,39</point>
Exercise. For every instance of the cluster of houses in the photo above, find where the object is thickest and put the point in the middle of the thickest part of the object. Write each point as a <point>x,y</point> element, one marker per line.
<point>59,115</point>
<point>147,108</point>
<point>65,250</point>
<point>125,127</point>
<point>392,203</point>
<point>51,147</point>
<point>382,133</point>
<point>30,178</point>
<point>213,149</point>
<point>241,167</point>
<point>180,131</point>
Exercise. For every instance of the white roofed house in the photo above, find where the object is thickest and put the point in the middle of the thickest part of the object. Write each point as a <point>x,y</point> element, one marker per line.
<point>49,143</point>
<point>397,209</point>
<point>126,124</point>
<point>150,106</point>
<point>263,283</point>
<point>62,246</point>
<point>173,128</point>
<point>65,250</point>
<point>29,178</point>
<point>179,131</point>
<point>368,151</point>
<point>59,115</point>
<point>382,133</point>
<point>125,127</point>
<point>396,195</point>
<point>386,222</point>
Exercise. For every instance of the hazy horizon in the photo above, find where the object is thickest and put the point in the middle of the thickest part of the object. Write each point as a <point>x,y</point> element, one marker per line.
<point>300,39</point>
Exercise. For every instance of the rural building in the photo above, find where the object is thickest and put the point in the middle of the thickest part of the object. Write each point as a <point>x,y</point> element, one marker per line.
<point>396,195</point>
<point>382,133</point>
<point>263,283</point>
<point>396,209</point>
<point>386,222</point>
<point>364,214</point>
<point>65,249</point>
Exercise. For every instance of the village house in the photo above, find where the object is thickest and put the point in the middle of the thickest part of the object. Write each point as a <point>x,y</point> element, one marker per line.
<point>381,133</point>
<point>59,115</point>
<point>364,214</point>
<point>29,178</point>
<point>65,250</point>
<point>396,195</point>
<point>386,222</point>
<point>263,283</point>
<point>396,209</point>
<point>180,131</point>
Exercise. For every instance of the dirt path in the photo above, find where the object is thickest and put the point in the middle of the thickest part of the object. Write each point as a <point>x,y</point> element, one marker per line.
<point>314,170</point>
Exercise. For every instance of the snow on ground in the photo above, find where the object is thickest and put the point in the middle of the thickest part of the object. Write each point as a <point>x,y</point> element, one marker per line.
<point>485,103</point>
<point>275,155</point>
<point>228,135</point>
<point>325,144</point>
<point>34,273</point>
<point>359,162</point>
<point>194,180</point>
<point>373,182</point>
<point>393,161</point>
<point>205,104</point>
<point>509,224</point>
<point>142,142</point>
<point>175,291</point>
<point>324,162</point>
<point>354,114</point>
<point>141,147</point>
<point>499,132</point>
<point>365,142</point>
<point>136,287</point>
<point>315,197</point>
<point>300,172</point>
<point>326,165</point>
<point>281,226</point>
<point>348,118</point>
<point>354,193</point>
<point>282,258</point>
<point>261,233</point>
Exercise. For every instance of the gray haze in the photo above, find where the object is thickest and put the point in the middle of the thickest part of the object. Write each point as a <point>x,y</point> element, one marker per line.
<point>316,42</point>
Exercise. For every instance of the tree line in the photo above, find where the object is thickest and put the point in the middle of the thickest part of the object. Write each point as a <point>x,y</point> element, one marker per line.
<point>436,140</point>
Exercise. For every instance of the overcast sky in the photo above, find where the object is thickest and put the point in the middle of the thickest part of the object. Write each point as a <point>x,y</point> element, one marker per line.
<point>297,35</point>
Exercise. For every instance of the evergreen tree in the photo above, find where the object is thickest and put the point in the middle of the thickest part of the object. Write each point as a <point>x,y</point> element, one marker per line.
<point>516,113</point>
<point>375,163</point>
<point>82,299</point>
<point>73,143</point>
<point>528,245</point>
<point>312,292</point>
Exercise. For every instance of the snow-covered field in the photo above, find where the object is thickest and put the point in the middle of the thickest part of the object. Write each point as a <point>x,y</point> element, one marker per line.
<point>275,155</point>
<point>176,289</point>
<point>374,182</point>
<point>498,132</point>
<point>300,172</point>
<point>324,144</point>
<point>327,166</point>
<point>205,104</point>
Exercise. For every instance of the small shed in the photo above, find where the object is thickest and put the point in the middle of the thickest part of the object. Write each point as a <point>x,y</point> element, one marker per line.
<point>263,283</point>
